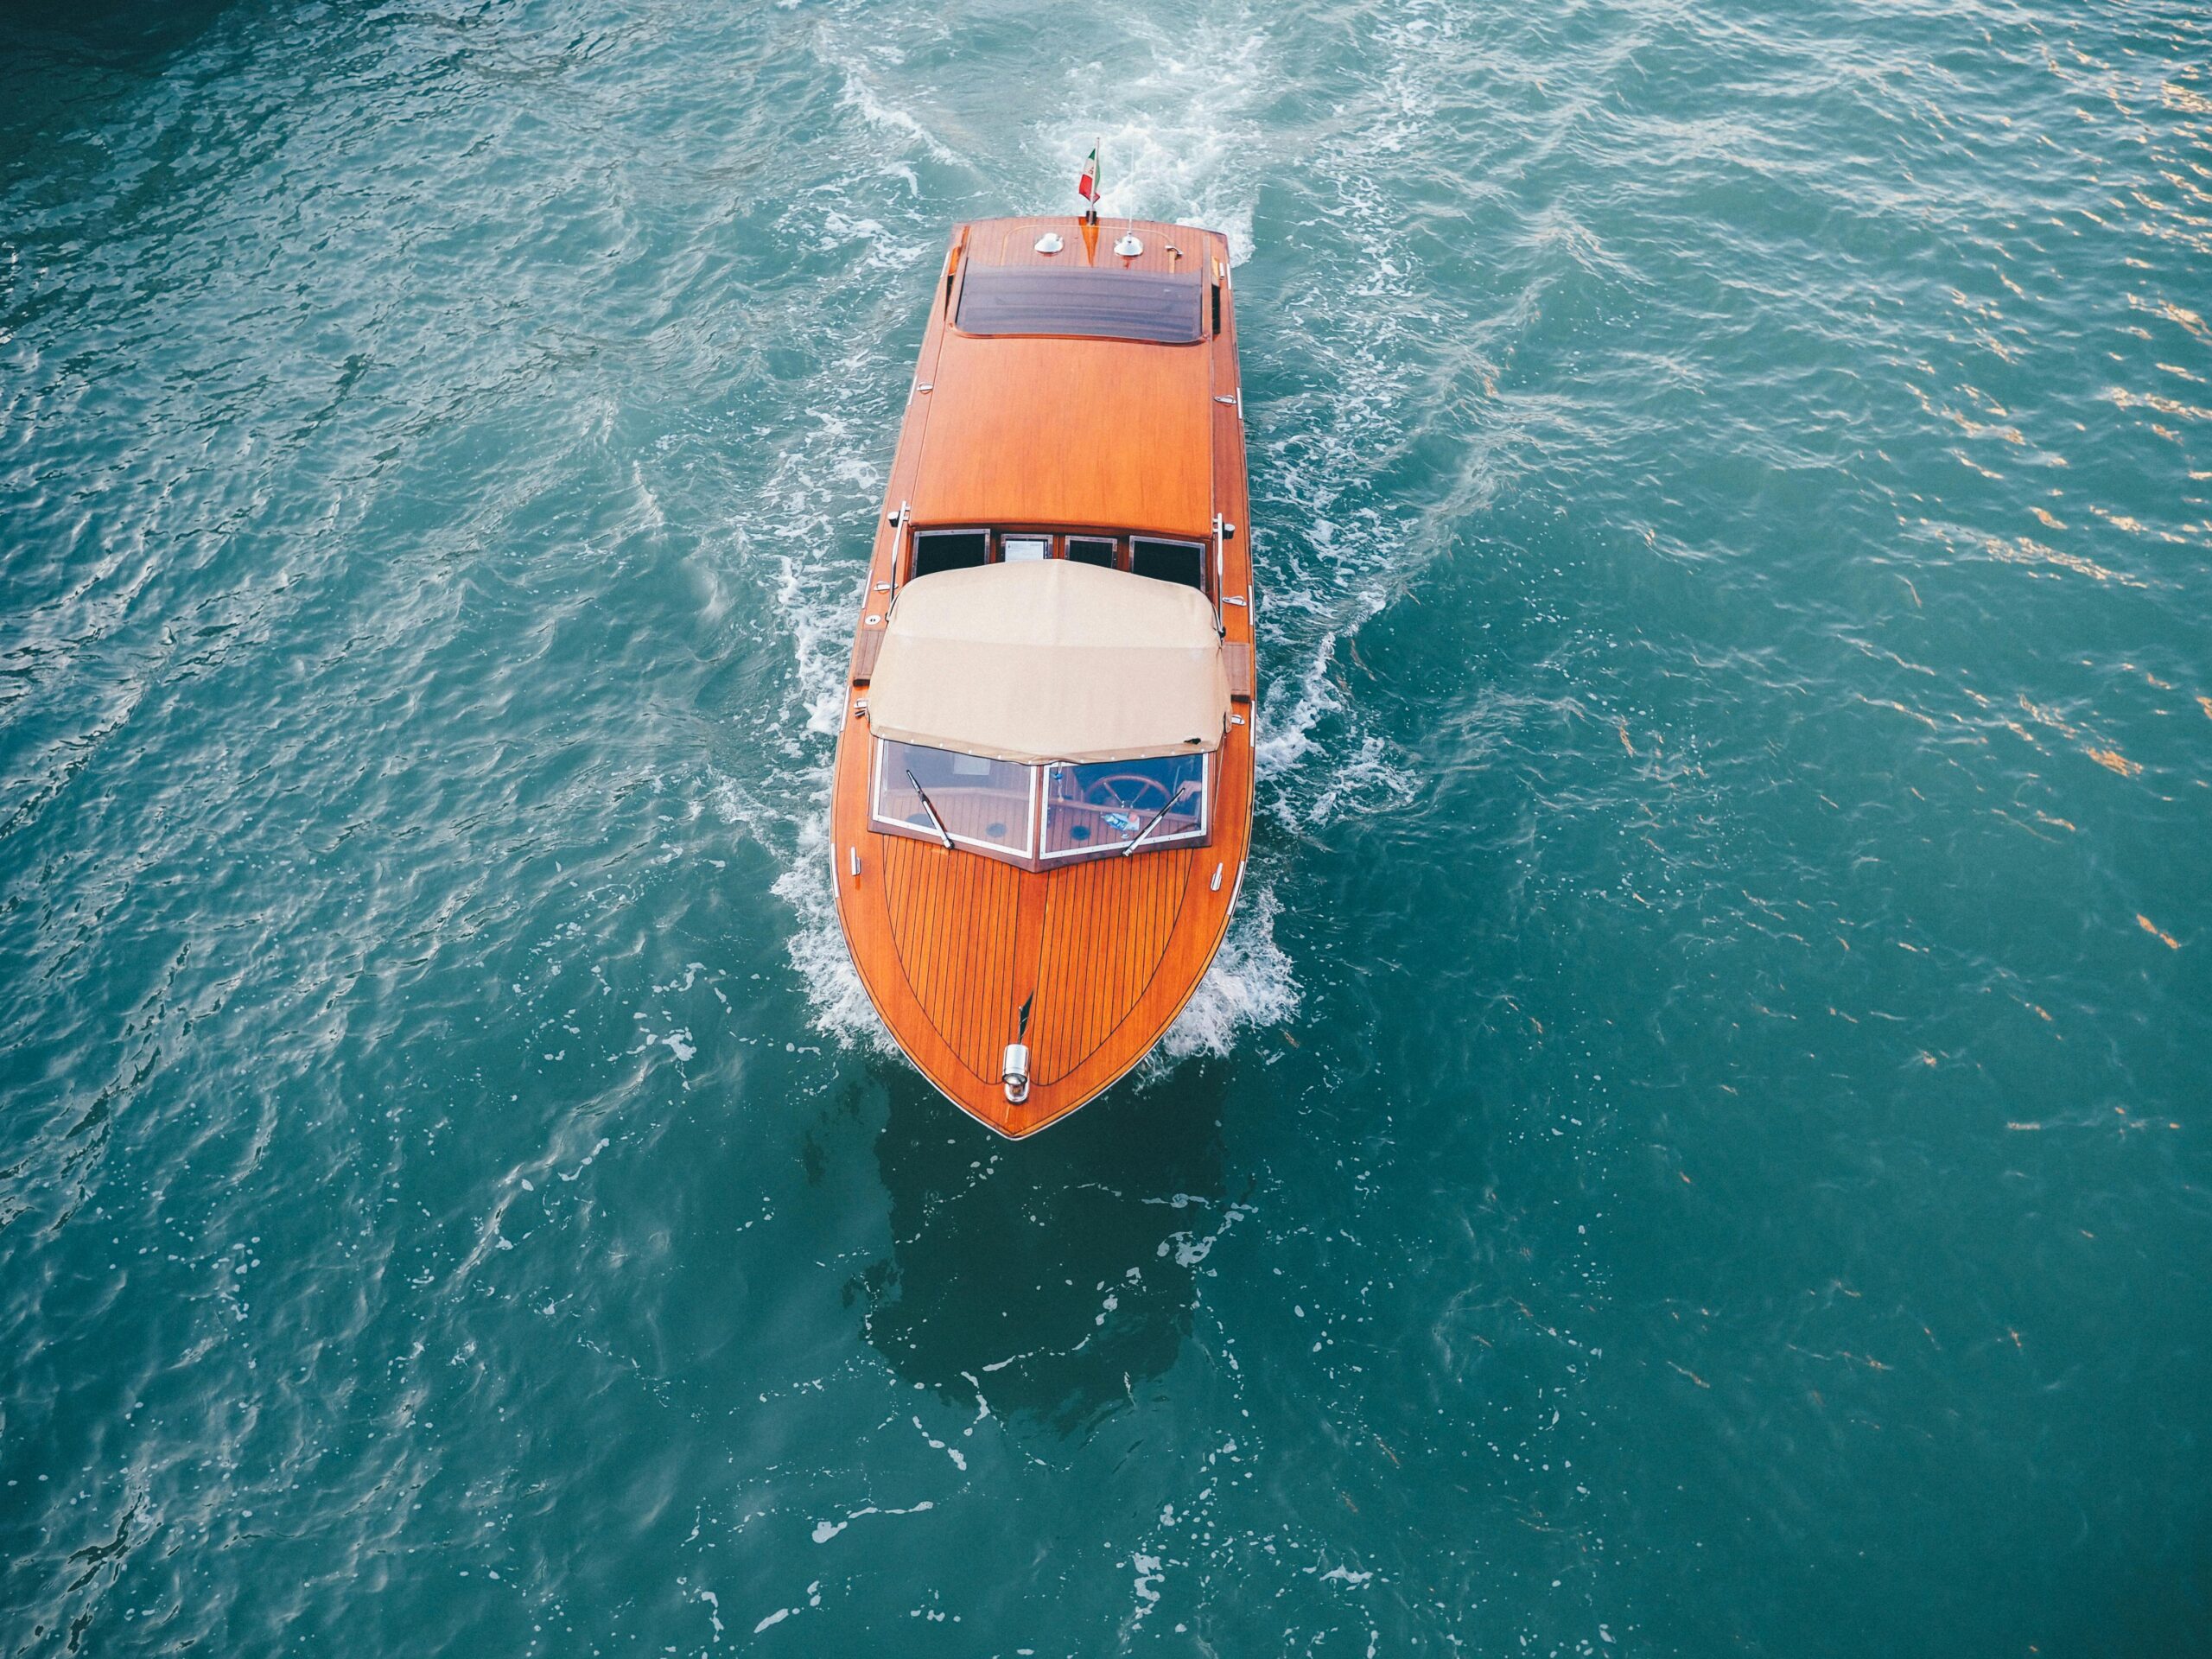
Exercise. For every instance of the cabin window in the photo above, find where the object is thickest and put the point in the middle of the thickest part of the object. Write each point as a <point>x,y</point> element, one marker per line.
<point>1104,304</point>
<point>980,802</point>
<point>1091,550</point>
<point>949,550</point>
<point>1025,550</point>
<point>1105,806</point>
<point>1182,562</point>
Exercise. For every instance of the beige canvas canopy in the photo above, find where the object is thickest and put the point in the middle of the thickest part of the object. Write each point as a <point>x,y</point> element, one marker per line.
<point>1051,661</point>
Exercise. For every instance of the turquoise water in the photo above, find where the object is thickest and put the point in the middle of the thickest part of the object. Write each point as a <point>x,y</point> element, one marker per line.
<point>1697,1142</point>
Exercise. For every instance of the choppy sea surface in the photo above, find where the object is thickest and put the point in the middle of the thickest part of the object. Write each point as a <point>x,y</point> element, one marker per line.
<point>1698,1142</point>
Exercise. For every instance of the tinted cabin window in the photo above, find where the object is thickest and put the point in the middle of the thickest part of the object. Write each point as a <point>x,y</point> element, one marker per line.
<point>1170,561</point>
<point>956,549</point>
<point>1087,549</point>
<point>1073,300</point>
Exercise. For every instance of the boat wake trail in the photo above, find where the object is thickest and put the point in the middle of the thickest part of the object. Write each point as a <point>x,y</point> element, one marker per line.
<point>1251,985</point>
<point>1181,142</point>
<point>783,799</point>
<point>1351,338</point>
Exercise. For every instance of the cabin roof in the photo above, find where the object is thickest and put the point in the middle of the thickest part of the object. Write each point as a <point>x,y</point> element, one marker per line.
<point>1050,662</point>
<point>1044,430</point>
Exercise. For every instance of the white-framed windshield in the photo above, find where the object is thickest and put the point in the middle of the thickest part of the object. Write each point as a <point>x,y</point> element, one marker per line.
<point>1108,804</point>
<point>1040,814</point>
<point>989,804</point>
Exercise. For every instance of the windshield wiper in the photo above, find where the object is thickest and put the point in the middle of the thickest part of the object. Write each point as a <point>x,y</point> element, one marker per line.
<point>1150,823</point>
<point>945,834</point>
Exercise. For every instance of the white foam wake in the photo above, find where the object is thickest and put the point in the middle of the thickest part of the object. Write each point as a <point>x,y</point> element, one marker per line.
<point>1176,139</point>
<point>1175,112</point>
<point>1250,986</point>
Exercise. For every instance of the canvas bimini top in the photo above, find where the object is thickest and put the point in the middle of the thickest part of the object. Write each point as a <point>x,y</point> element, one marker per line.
<point>1050,662</point>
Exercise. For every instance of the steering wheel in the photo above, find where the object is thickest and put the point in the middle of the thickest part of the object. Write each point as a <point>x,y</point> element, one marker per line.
<point>1128,790</point>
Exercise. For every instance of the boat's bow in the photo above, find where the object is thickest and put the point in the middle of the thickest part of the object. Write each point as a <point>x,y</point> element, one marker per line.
<point>953,946</point>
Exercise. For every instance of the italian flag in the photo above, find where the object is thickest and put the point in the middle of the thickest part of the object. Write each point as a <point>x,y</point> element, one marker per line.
<point>1087,186</point>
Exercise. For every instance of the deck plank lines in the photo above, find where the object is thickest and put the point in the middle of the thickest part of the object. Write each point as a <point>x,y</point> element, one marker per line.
<point>1105,937</point>
<point>954,918</point>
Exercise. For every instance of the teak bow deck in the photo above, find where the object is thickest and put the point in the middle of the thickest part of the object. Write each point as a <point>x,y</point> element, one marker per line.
<point>1096,421</point>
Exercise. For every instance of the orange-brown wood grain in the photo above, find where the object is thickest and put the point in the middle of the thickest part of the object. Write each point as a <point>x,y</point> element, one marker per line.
<point>1045,431</point>
<point>949,944</point>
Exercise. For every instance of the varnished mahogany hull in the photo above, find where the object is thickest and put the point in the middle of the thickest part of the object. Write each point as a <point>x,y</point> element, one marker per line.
<point>949,944</point>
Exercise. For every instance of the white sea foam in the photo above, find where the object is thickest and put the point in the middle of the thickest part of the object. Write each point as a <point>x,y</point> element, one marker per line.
<point>1177,140</point>
<point>1345,550</point>
<point>825,1530</point>
<point>885,251</point>
<point>1281,741</point>
<point>1369,781</point>
<point>790,532</point>
<point>841,1008</point>
<point>1149,1573</point>
<point>872,108</point>
<point>796,832</point>
<point>1251,985</point>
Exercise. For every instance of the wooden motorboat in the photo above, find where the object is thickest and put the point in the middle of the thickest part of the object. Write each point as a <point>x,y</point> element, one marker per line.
<point>1043,796</point>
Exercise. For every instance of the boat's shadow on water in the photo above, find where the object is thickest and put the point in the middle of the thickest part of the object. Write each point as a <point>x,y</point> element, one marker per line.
<point>39,37</point>
<point>62,61</point>
<point>1048,1275</point>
